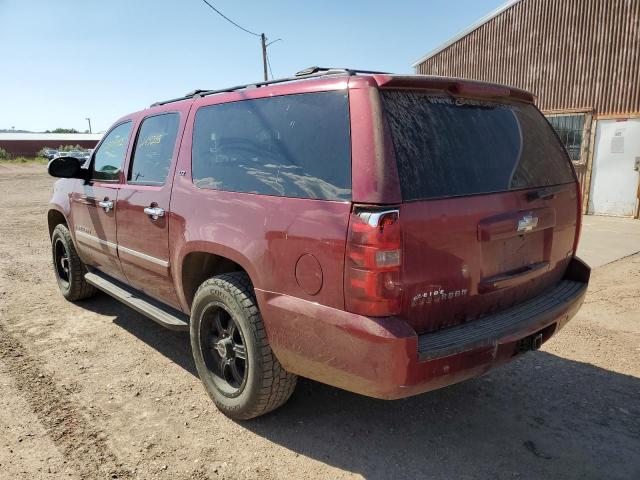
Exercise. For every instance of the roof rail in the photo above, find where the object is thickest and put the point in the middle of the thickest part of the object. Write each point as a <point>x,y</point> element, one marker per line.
<point>325,70</point>
<point>310,72</point>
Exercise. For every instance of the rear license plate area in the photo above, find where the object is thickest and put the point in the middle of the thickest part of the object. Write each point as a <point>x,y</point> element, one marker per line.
<point>509,254</point>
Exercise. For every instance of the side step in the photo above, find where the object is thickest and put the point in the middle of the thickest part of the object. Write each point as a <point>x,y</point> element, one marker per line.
<point>164,315</point>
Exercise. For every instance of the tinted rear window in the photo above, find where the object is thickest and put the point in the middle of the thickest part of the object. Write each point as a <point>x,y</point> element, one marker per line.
<point>450,147</point>
<point>292,146</point>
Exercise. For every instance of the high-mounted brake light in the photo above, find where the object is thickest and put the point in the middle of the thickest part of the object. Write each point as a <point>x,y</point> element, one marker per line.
<point>479,90</point>
<point>373,261</point>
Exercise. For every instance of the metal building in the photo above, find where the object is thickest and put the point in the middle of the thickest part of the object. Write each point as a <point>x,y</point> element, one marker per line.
<point>581,58</point>
<point>29,144</point>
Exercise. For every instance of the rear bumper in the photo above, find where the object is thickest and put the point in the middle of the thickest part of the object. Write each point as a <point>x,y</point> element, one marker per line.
<point>384,358</point>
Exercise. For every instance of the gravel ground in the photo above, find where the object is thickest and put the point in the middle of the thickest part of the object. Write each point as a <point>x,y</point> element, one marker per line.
<point>95,390</point>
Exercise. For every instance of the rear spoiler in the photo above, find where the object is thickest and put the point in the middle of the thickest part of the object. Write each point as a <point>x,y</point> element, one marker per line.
<point>454,86</point>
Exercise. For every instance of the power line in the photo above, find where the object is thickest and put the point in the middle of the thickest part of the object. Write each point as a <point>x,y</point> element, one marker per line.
<point>229,20</point>
<point>262,36</point>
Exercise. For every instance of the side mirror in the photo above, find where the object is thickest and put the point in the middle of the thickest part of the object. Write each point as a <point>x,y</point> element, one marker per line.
<point>66,167</point>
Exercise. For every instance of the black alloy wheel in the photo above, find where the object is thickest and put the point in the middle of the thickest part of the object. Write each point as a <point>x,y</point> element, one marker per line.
<point>231,350</point>
<point>61,261</point>
<point>224,349</point>
<point>68,267</point>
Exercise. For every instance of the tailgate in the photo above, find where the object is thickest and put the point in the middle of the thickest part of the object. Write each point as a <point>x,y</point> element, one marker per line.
<point>490,205</point>
<point>464,260</point>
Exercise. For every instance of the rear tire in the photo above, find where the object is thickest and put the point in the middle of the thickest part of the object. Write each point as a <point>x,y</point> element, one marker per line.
<point>231,351</point>
<point>68,267</point>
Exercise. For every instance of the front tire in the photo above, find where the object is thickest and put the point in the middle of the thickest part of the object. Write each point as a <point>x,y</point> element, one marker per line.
<point>231,351</point>
<point>68,267</point>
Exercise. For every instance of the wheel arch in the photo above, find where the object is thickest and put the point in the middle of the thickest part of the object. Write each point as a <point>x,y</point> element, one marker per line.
<point>54,218</point>
<point>204,262</point>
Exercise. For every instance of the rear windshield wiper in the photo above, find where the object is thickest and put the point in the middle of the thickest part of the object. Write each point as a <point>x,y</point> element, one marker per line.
<point>546,193</point>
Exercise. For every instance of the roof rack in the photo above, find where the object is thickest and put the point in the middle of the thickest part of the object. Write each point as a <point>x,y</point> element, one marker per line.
<point>310,72</point>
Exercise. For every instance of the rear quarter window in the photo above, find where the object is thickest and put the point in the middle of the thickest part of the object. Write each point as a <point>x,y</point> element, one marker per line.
<point>451,147</point>
<point>291,146</point>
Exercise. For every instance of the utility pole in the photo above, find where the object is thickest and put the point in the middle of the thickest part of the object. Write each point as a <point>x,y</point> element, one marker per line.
<point>89,120</point>
<point>263,39</point>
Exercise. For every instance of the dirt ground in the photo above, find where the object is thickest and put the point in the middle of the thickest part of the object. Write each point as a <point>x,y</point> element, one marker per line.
<point>95,390</point>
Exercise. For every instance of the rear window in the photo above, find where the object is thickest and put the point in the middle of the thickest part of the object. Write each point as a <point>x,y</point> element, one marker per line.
<point>291,146</point>
<point>451,147</point>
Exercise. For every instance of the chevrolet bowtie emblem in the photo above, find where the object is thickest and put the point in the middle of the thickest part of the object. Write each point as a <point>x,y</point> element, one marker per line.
<point>527,223</point>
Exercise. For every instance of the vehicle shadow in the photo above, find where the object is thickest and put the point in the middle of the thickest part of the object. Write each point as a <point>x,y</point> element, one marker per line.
<point>173,345</point>
<point>540,417</point>
<point>543,416</point>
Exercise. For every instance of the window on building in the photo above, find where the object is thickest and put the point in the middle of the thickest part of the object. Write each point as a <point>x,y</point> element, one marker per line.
<point>570,129</point>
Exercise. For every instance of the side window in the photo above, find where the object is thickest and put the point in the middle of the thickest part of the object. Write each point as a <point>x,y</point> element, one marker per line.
<point>110,155</point>
<point>153,152</point>
<point>291,146</point>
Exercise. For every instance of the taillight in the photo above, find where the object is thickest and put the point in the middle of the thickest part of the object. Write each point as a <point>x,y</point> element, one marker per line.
<point>579,218</point>
<point>373,261</point>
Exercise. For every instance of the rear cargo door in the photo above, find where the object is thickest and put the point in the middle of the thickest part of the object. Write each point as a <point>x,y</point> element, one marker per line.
<point>489,212</point>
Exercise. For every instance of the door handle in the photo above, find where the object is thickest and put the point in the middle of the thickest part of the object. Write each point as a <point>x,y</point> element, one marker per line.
<point>106,205</point>
<point>508,279</point>
<point>154,212</point>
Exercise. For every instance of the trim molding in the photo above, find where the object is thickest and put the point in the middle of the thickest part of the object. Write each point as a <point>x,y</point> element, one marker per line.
<point>99,241</point>
<point>120,248</point>
<point>144,256</point>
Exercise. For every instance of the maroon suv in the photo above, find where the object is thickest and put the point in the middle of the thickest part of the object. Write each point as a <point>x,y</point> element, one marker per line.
<point>385,234</point>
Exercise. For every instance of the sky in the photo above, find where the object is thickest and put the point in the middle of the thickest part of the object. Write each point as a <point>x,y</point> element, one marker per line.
<point>64,60</point>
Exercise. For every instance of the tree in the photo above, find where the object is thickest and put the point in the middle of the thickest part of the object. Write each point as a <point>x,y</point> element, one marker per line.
<point>69,148</point>
<point>62,130</point>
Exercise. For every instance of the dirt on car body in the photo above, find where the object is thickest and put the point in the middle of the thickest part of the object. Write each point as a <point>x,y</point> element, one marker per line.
<point>126,400</point>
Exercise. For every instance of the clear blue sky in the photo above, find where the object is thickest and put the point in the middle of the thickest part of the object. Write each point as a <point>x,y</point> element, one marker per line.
<point>65,60</point>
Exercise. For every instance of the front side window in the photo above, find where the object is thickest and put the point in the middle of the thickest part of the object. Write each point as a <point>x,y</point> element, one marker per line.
<point>291,146</point>
<point>153,152</point>
<point>110,154</point>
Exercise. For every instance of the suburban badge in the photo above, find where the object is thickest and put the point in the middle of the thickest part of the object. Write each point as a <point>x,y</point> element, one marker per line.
<point>436,296</point>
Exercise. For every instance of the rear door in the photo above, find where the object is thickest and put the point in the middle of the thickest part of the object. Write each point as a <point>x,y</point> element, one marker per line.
<point>93,204</point>
<point>489,212</point>
<point>143,207</point>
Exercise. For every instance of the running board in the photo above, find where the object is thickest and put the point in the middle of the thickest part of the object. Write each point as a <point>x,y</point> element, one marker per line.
<point>164,315</point>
